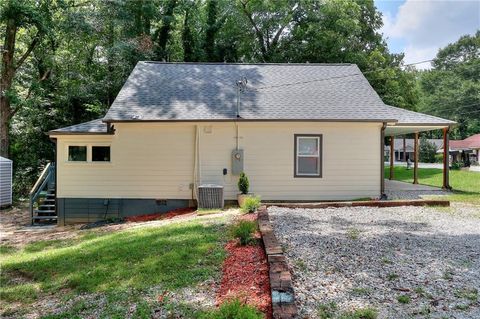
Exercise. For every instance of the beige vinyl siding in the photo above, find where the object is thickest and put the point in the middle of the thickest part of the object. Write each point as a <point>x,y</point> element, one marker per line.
<point>156,160</point>
<point>350,160</point>
<point>147,161</point>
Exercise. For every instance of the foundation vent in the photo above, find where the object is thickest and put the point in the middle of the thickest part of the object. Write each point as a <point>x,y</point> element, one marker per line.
<point>210,196</point>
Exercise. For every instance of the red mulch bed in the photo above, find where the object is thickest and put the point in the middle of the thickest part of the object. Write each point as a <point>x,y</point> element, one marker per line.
<point>245,275</point>
<point>167,215</point>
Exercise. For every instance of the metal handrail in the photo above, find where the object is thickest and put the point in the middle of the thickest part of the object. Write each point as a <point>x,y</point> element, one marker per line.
<point>40,184</point>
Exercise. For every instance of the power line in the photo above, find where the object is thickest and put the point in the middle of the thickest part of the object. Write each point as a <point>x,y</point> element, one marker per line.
<point>332,78</point>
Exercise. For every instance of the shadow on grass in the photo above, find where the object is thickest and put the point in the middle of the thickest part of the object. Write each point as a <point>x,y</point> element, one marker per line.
<point>173,256</point>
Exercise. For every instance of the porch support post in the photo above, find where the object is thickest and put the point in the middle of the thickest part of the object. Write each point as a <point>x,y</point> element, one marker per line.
<point>415,155</point>
<point>382,161</point>
<point>392,156</point>
<point>404,150</point>
<point>446,153</point>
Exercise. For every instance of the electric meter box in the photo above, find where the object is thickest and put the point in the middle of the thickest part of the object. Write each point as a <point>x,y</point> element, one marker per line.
<point>237,162</point>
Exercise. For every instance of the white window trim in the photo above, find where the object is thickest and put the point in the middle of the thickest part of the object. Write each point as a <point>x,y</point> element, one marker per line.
<point>89,154</point>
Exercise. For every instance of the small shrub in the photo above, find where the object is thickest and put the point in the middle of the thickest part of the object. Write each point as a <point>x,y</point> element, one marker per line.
<point>243,183</point>
<point>233,310</point>
<point>364,313</point>
<point>392,276</point>
<point>327,310</point>
<point>244,230</point>
<point>353,233</point>
<point>403,299</point>
<point>251,204</point>
<point>457,165</point>
<point>438,158</point>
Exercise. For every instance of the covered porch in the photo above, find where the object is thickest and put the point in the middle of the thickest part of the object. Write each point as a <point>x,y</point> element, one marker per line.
<point>413,123</point>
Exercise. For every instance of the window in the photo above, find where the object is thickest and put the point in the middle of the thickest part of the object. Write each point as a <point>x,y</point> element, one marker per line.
<point>100,153</point>
<point>308,159</point>
<point>77,153</point>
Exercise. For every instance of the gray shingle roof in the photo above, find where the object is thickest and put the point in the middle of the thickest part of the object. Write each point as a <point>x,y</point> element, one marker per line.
<point>199,91</point>
<point>91,127</point>
<point>157,91</point>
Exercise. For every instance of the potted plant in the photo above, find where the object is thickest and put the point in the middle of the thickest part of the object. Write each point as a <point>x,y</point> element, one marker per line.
<point>243,186</point>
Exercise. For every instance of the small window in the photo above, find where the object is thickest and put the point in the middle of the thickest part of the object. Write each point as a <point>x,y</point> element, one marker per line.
<point>77,153</point>
<point>100,153</point>
<point>308,159</point>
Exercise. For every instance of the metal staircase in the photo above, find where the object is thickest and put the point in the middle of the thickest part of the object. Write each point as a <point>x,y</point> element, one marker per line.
<point>43,197</point>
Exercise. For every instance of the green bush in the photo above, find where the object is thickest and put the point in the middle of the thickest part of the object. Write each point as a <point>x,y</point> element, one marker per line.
<point>428,150</point>
<point>243,183</point>
<point>244,230</point>
<point>233,310</point>
<point>251,204</point>
<point>457,165</point>
<point>438,158</point>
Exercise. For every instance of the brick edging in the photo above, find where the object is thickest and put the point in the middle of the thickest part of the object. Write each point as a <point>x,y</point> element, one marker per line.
<point>283,296</point>
<point>373,203</point>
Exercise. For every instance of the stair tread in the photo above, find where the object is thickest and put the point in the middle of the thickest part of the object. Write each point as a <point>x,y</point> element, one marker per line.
<point>45,217</point>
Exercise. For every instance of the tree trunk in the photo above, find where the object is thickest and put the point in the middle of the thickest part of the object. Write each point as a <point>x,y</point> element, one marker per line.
<point>8,71</point>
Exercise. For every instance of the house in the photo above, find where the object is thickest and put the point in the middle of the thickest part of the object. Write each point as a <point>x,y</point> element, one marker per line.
<point>466,151</point>
<point>301,132</point>
<point>404,148</point>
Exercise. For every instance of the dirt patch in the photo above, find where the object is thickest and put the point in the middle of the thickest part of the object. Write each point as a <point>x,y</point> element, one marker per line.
<point>245,274</point>
<point>168,215</point>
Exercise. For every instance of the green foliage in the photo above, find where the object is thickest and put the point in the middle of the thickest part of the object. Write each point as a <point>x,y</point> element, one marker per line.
<point>364,313</point>
<point>327,310</point>
<point>438,158</point>
<point>428,151</point>
<point>243,183</point>
<point>251,204</point>
<point>233,309</point>
<point>244,230</point>
<point>451,88</point>
<point>403,299</point>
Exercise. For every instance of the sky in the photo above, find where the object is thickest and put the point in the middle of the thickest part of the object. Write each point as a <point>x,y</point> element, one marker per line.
<point>420,27</point>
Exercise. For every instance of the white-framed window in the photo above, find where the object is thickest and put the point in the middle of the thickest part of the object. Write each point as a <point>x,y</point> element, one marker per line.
<point>308,155</point>
<point>88,153</point>
<point>100,153</point>
<point>77,153</point>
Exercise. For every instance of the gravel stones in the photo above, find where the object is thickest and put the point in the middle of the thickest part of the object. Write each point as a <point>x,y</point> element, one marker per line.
<point>367,257</point>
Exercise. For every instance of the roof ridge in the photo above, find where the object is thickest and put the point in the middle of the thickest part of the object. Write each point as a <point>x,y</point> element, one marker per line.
<point>247,63</point>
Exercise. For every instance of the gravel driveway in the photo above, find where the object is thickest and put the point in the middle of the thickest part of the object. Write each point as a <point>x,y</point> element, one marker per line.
<point>403,262</point>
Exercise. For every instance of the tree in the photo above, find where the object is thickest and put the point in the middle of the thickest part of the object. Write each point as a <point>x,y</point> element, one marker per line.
<point>33,18</point>
<point>451,89</point>
<point>427,151</point>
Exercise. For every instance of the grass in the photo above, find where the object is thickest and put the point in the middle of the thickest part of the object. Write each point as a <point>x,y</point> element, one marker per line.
<point>326,310</point>
<point>330,310</point>
<point>403,299</point>
<point>392,276</point>
<point>172,257</point>
<point>353,233</point>
<point>364,313</point>
<point>233,309</point>
<point>466,185</point>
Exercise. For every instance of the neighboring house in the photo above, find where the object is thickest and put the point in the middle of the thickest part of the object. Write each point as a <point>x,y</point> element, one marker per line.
<point>308,132</point>
<point>406,146</point>
<point>466,151</point>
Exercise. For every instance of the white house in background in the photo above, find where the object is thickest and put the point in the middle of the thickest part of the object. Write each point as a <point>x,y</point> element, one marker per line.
<point>302,132</point>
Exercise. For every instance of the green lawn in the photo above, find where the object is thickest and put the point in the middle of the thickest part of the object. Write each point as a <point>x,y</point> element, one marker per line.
<point>466,185</point>
<point>121,265</point>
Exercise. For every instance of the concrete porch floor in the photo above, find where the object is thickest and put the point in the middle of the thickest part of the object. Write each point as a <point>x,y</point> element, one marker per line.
<point>403,190</point>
